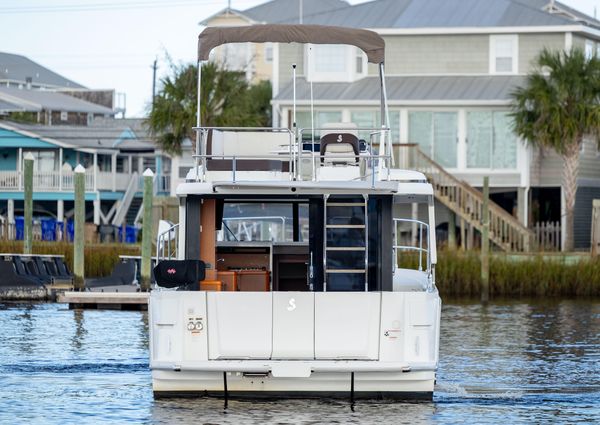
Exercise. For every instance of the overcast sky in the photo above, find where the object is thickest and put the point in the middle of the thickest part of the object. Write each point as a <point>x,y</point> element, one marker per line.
<point>112,43</point>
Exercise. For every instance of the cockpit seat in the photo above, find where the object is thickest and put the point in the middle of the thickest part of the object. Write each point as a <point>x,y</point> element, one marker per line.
<point>339,144</point>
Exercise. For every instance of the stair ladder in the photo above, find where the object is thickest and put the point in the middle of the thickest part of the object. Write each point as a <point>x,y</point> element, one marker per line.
<point>353,245</point>
<point>505,231</point>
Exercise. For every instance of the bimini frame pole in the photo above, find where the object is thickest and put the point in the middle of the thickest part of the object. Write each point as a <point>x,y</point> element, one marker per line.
<point>294,125</point>
<point>385,111</point>
<point>198,132</point>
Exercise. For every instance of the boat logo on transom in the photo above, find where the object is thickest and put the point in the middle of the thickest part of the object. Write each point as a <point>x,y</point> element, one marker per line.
<point>291,304</point>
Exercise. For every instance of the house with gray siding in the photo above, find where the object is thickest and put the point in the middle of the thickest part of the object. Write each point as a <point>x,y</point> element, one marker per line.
<point>451,66</point>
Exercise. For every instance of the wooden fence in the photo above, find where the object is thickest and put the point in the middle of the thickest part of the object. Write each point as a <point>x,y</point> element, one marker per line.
<point>547,235</point>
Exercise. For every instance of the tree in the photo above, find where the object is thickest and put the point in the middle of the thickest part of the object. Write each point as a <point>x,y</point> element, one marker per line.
<point>557,107</point>
<point>227,99</point>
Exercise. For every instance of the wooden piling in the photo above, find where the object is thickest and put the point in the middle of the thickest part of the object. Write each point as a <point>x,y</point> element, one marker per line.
<point>147,230</point>
<point>78,245</point>
<point>28,197</point>
<point>485,243</point>
<point>451,230</point>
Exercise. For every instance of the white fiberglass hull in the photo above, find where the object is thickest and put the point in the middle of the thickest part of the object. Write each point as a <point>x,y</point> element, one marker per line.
<point>397,385</point>
<point>294,344</point>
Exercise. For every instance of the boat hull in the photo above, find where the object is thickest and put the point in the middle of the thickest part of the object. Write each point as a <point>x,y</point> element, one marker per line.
<point>294,344</point>
<point>417,385</point>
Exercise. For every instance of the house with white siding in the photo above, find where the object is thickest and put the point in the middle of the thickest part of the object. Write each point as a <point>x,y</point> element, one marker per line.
<point>451,67</point>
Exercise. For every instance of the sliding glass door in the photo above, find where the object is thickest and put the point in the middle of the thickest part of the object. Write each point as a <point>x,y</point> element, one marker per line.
<point>491,143</point>
<point>436,133</point>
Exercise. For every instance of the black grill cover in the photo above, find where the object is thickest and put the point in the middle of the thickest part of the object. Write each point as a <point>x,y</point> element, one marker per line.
<point>174,273</point>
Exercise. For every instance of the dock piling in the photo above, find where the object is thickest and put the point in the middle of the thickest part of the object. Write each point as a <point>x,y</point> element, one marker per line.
<point>78,246</point>
<point>28,196</point>
<point>485,243</point>
<point>147,230</point>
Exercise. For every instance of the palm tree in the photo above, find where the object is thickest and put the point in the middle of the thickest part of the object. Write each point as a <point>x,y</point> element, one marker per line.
<point>557,108</point>
<point>226,100</point>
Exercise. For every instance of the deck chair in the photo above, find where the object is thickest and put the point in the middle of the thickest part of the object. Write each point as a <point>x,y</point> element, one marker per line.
<point>11,279</point>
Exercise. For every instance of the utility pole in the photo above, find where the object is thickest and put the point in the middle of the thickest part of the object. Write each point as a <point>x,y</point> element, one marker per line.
<point>154,66</point>
<point>300,11</point>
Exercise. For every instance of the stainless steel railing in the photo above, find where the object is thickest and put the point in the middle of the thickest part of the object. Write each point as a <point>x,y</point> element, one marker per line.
<point>422,249</point>
<point>165,250</point>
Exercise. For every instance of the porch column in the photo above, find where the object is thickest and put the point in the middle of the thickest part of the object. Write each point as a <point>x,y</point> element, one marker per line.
<point>60,162</point>
<point>113,168</point>
<point>20,168</point>
<point>95,171</point>
<point>522,205</point>
<point>415,216</point>
<point>11,219</point>
<point>451,230</point>
<point>97,209</point>
<point>130,164</point>
<point>60,210</point>
<point>60,216</point>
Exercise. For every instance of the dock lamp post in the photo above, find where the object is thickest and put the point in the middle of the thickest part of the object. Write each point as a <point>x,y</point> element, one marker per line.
<point>147,229</point>
<point>78,246</point>
<point>28,197</point>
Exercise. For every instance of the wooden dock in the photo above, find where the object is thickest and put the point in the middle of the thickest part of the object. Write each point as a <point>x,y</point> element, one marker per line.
<point>105,300</point>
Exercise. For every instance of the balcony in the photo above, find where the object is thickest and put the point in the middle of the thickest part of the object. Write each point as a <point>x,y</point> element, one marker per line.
<point>55,181</point>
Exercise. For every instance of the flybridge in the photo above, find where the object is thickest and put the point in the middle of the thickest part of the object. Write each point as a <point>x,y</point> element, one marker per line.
<point>333,152</point>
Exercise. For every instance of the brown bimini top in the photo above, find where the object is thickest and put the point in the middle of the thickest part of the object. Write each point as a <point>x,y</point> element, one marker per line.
<point>368,41</point>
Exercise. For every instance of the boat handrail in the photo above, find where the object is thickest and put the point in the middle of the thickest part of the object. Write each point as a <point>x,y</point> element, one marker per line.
<point>419,249</point>
<point>166,237</point>
<point>236,158</point>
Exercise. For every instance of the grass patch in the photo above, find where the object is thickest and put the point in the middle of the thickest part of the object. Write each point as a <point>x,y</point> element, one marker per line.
<point>459,274</point>
<point>99,258</point>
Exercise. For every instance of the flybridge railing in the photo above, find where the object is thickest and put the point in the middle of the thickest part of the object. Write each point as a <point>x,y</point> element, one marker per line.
<point>373,166</point>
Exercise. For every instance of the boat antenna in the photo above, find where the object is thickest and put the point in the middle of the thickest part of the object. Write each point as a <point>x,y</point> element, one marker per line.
<point>312,125</point>
<point>294,97</point>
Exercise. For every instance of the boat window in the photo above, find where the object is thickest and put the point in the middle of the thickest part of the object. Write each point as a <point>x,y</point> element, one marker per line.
<point>263,222</point>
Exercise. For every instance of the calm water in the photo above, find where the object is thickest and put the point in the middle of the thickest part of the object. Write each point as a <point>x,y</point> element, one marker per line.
<point>511,362</point>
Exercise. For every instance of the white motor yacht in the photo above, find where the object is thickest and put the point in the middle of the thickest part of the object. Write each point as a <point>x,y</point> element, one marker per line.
<point>295,263</point>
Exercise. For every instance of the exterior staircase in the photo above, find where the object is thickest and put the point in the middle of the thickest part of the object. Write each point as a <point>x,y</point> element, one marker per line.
<point>132,212</point>
<point>505,231</point>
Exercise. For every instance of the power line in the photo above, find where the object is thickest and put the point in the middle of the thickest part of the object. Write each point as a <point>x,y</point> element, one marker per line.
<point>146,4</point>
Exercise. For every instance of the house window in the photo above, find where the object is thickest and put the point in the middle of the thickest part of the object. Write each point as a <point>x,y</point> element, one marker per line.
<point>491,143</point>
<point>436,133</point>
<point>372,119</point>
<point>589,49</point>
<point>360,62</point>
<point>268,53</point>
<point>64,115</point>
<point>504,54</point>
<point>44,160</point>
<point>321,118</point>
<point>329,58</point>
